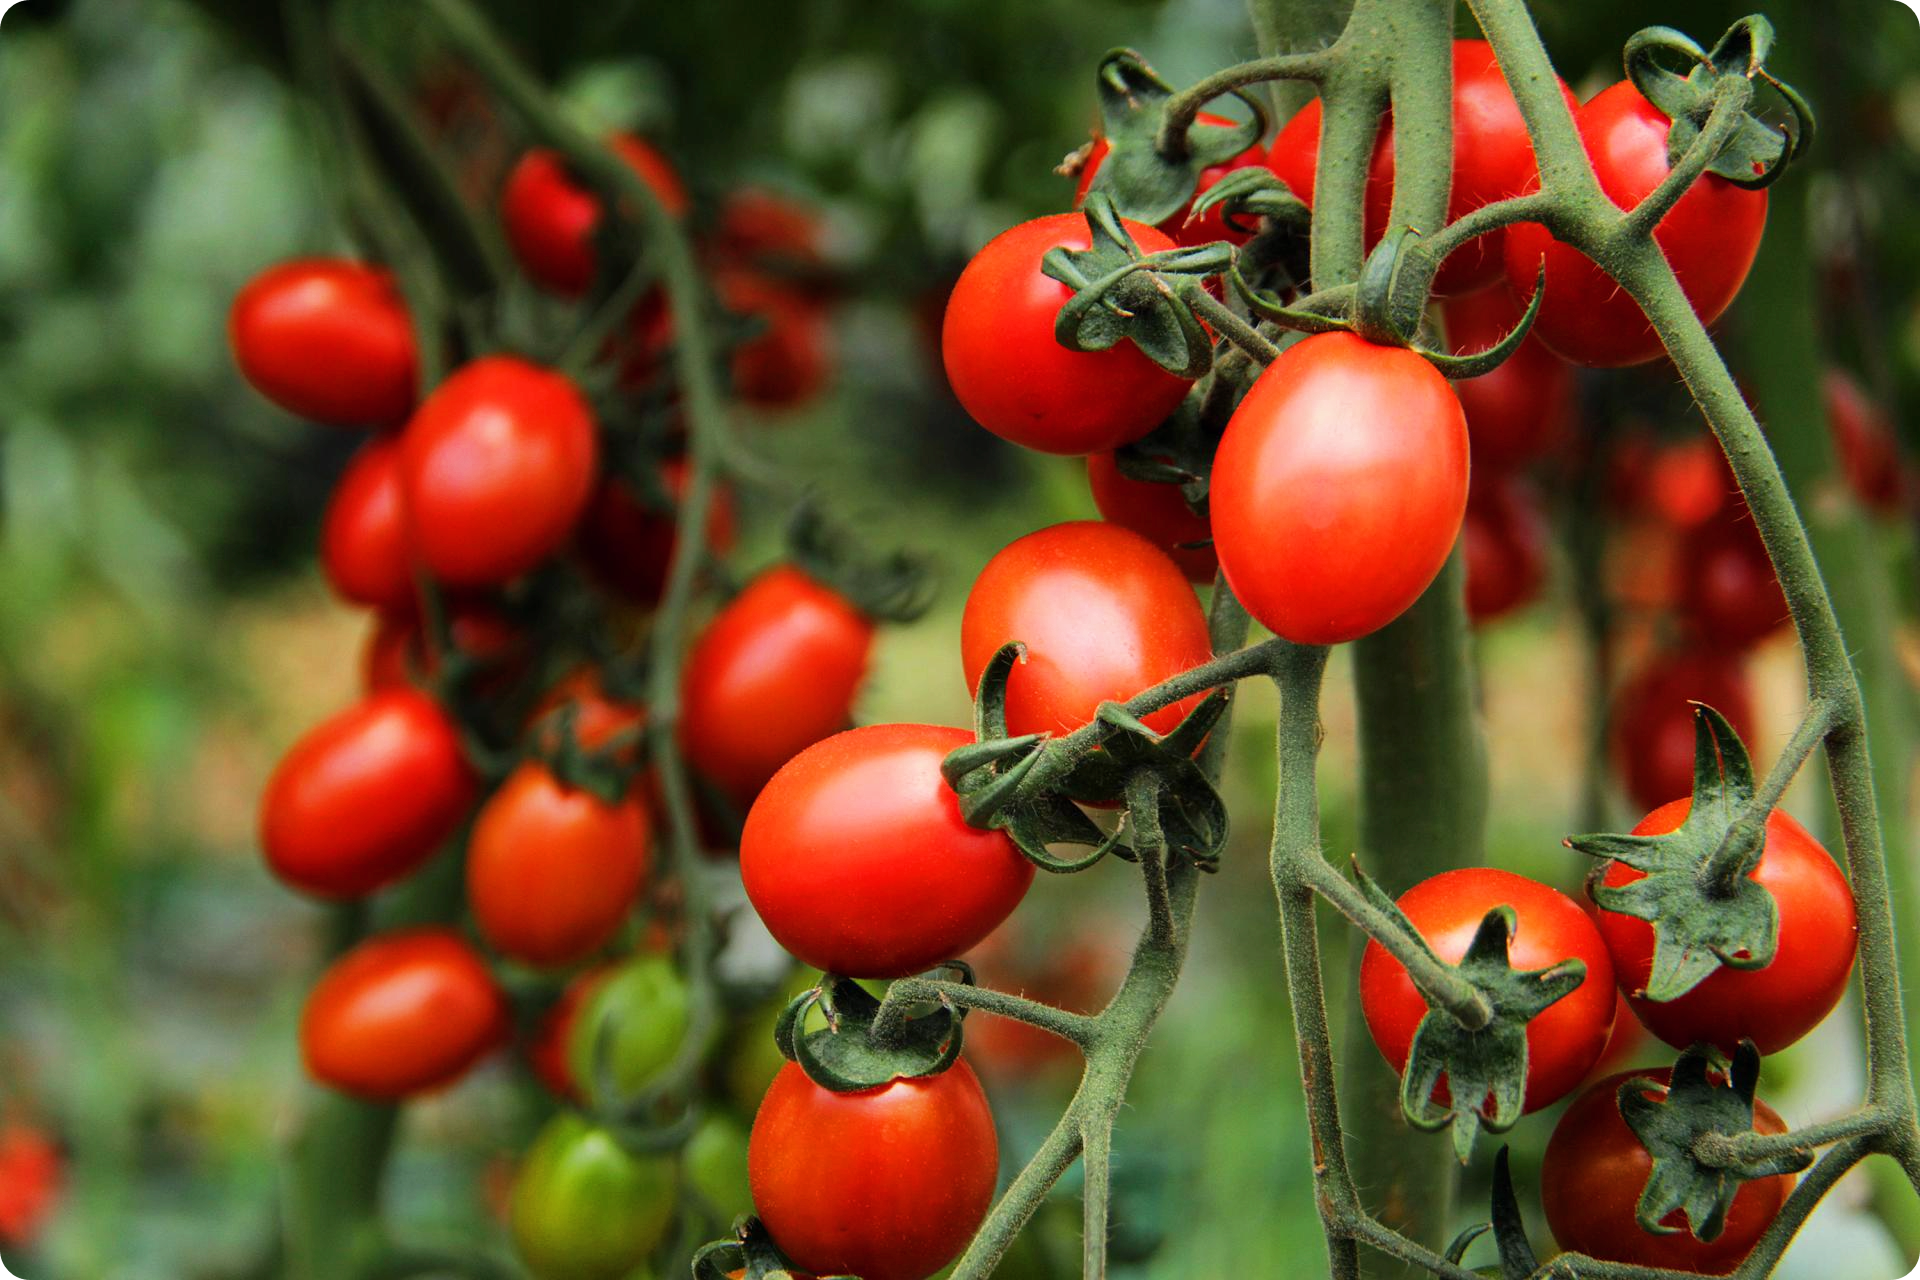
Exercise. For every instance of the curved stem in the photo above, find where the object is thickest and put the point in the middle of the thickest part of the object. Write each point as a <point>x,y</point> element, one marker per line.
<point>1730,99</point>
<point>1185,105</point>
<point>1226,322</point>
<point>1722,1150</point>
<point>1074,1027</point>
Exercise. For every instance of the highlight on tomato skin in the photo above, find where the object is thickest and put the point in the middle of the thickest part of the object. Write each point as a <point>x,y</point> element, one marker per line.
<point>550,216</point>
<point>328,339</point>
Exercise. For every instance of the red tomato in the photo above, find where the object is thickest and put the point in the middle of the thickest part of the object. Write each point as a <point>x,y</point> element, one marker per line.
<point>1209,226</point>
<point>788,362</point>
<point>1682,483</point>
<point>597,716</point>
<point>1565,1039</point>
<point>1492,159</point>
<point>363,541</point>
<point>1865,443</point>
<point>1522,409</point>
<point>1078,974</point>
<point>1505,541</point>
<point>887,1183</point>
<point>1710,238</point>
<point>397,654</point>
<point>1773,1006</point>
<point>496,467</point>
<point>630,545</point>
<point>1104,615</point>
<point>1593,1173</point>
<point>1651,725</point>
<point>758,226</point>
<point>1728,592</point>
<point>1157,512</point>
<point>551,217</point>
<point>1339,488</point>
<point>366,797</point>
<point>401,1014</point>
<point>856,857</point>
<point>31,1179</point>
<point>773,673</point>
<point>1022,385</point>
<point>548,1051</point>
<point>1630,1041</point>
<point>327,339</point>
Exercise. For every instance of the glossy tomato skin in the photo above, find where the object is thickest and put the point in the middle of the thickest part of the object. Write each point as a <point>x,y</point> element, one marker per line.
<point>1650,731</point>
<point>629,544</point>
<point>363,540</point>
<point>1865,442</point>
<point>859,862</point>
<point>1773,1006</point>
<point>1157,512</point>
<point>1710,238</point>
<point>1563,1041</point>
<point>1728,592</point>
<point>1209,226</point>
<point>1103,613</point>
<point>327,339</point>
<point>585,1208</point>
<point>366,797</point>
<point>1339,488</point>
<point>1523,408</point>
<point>496,467</point>
<point>550,216</point>
<point>774,672</point>
<point>1016,380</point>
<point>1593,1173</point>
<point>1505,544</point>
<point>887,1183</point>
<point>401,1014</point>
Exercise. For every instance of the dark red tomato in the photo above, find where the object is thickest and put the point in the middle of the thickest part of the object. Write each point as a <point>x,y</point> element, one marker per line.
<point>1728,592</point>
<point>31,1179</point>
<point>1710,238</point>
<point>857,859</point>
<point>1104,615</point>
<point>366,797</point>
<point>496,468</point>
<point>1565,1039</point>
<point>1681,483</point>
<point>1865,443</point>
<point>1521,410</point>
<point>1505,542</point>
<point>759,227</point>
<point>548,1050</point>
<point>398,654</point>
<point>1595,1168</point>
<point>1339,488</point>
<point>646,349</point>
<point>327,339</point>
<point>363,541</point>
<point>597,716</point>
<point>1630,1041</point>
<point>1492,159</point>
<point>774,672</point>
<point>1209,226</point>
<point>1016,380</point>
<point>1157,512</point>
<point>1078,973</point>
<point>1773,1006</point>
<point>629,543</point>
<point>887,1183</point>
<point>788,362</point>
<point>551,217</point>
<point>401,1014</point>
<point>553,871</point>
<point>1651,725</point>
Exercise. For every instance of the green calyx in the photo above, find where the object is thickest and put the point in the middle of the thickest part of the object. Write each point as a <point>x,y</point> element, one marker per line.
<point>1120,292</point>
<point>891,584</point>
<point>1758,150</point>
<point>1145,182</point>
<point>848,1054</point>
<point>750,1251</point>
<point>1517,1260</point>
<point>1697,891</point>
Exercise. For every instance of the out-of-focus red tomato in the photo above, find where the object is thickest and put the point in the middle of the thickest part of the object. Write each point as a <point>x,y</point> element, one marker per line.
<point>1864,439</point>
<point>1505,545</point>
<point>629,544</point>
<point>31,1177</point>
<point>1651,730</point>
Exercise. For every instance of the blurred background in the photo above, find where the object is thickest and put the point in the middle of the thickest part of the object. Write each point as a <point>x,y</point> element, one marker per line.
<point>164,632</point>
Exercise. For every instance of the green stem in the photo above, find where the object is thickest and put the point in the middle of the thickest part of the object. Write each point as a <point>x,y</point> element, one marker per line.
<point>1075,1028</point>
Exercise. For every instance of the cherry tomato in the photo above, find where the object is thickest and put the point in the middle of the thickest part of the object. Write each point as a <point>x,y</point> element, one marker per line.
<point>629,543</point>
<point>1077,974</point>
<point>1505,541</point>
<point>773,673</point>
<point>1682,483</point>
<point>1709,237</point>
<point>1492,159</point>
<point>857,859</point>
<point>1209,226</point>
<point>549,1046</point>
<point>365,797</point>
<point>551,217</point>
<point>401,1014</point>
<point>1772,1006</point>
<point>1728,592</point>
<point>363,541</point>
<point>759,227</point>
<point>1522,409</point>
<point>788,362</point>
<point>586,1208</point>
<point>327,339</point>
<point>1630,1041</point>
<point>1016,380</point>
<point>1157,512</point>
<point>1565,1039</point>
<point>597,716</point>
<point>1595,1168</point>
<point>886,1183</point>
<point>1865,443</point>
<point>1651,725</point>
<point>496,467</point>
<point>1103,613</point>
<point>1339,488</point>
<point>639,1012</point>
<point>398,654</point>
<point>31,1180</point>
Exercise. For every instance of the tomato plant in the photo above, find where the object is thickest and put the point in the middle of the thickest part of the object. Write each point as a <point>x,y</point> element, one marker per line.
<point>1183,228</point>
<point>327,339</point>
<point>551,218</point>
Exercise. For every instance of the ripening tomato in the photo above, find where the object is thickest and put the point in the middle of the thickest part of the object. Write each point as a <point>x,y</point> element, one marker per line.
<point>1710,238</point>
<point>327,339</point>
<point>859,862</point>
<point>496,467</point>
<point>551,1042</point>
<point>1728,592</point>
<point>1865,443</point>
<point>366,797</point>
<point>1595,1168</point>
<point>399,653</point>
<point>551,217</point>
<point>586,1208</point>
<point>637,1014</point>
<point>788,362</point>
<point>1772,1006</point>
<point>1104,614</point>
<point>1504,540</point>
<point>1492,159</point>
<point>1157,512</point>
<point>1209,226</point>
<point>1650,727</point>
<point>1520,411</point>
<point>401,1014</point>
<point>773,673</point>
<point>629,543</point>
<point>31,1179</point>
<point>886,1183</point>
<point>1339,488</point>
<point>363,541</point>
<point>1565,1039</point>
<point>715,1160</point>
<point>1016,380</point>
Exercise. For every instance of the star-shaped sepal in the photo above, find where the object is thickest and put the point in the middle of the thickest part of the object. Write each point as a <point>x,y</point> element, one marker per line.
<point>1759,149</point>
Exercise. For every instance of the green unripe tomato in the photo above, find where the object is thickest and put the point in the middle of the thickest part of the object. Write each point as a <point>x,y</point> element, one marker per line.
<point>750,1058</point>
<point>584,1208</point>
<point>644,1006</point>
<point>715,1165</point>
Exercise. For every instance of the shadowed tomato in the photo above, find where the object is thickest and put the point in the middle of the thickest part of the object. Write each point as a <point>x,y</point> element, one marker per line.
<point>551,216</point>
<point>886,1183</point>
<point>1519,411</point>
<point>759,227</point>
<point>1728,592</point>
<point>1209,226</point>
<point>1104,614</point>
<point>1863,439</point>
<point>31,1179</point>
<point>496,467</point>
<point>597,715</point>
<point>1016,380</point>
<point>1773,1006</point>
<point>1505,543</point>
<point>1339,488</point>
<point>1650,730</point>
<point>1709,238</point>
<point>327,339</point>
<point>1077,974</point>
<point>363,542</point>
<point>629,543</point>
<point>548,1049</point>
<point>401,1014</point>
<point>859,862</point>
<point>586,1208</point>
<point>398,654</point>
<point>365,797</point>
<point>1157,512</point>
<point>788,360</point>
<point>1681,483</point>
